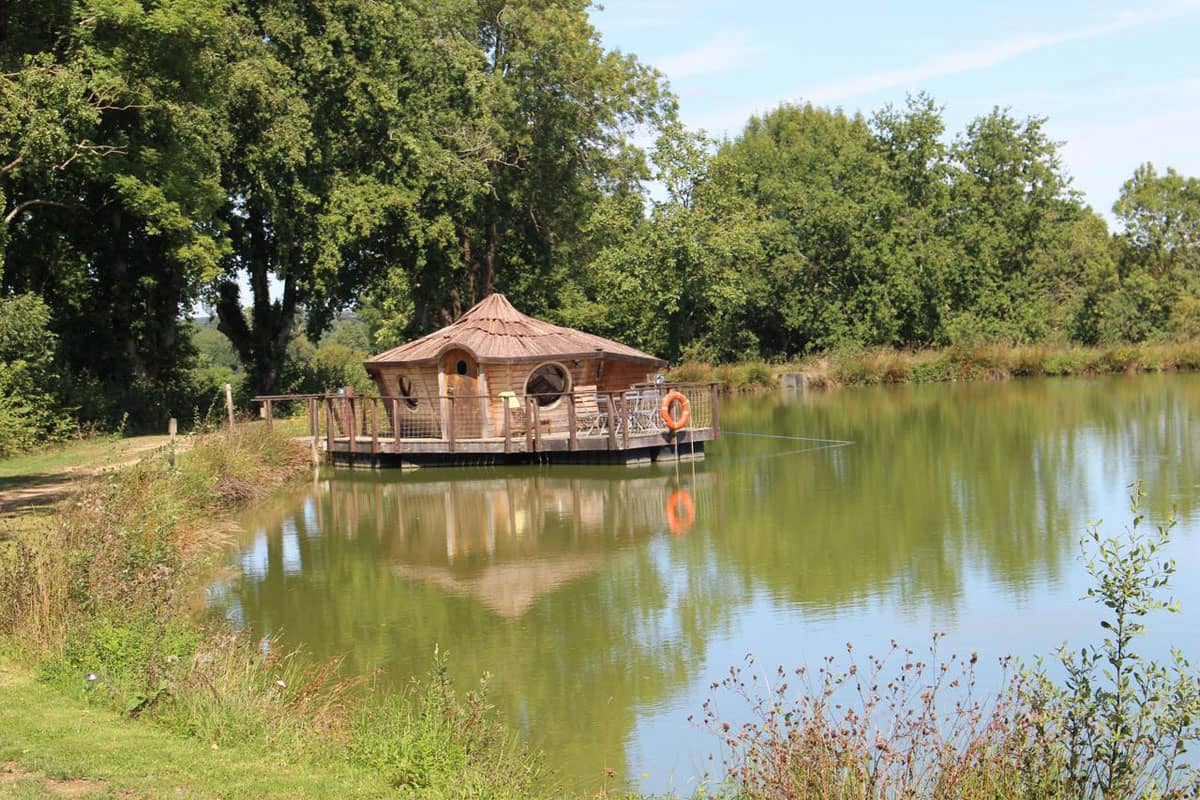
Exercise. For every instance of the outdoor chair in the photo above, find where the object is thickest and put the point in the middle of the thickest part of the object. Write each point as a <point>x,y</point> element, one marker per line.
<point>643,410</point>
<point>516,412</point>
<point>590,419</point>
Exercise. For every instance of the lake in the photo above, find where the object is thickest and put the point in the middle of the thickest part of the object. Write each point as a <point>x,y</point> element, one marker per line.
<point>604,601</point>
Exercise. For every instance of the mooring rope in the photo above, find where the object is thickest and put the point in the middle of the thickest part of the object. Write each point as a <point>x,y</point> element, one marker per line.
<point>784,436</point>
<point>821,444</point>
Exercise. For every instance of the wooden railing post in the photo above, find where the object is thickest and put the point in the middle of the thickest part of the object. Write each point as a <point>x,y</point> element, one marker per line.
<point>314,425</point>
<point>374,426</point>
<point>351,418</point>
<point>716,409</point>
<point>329,428</point>
<point>537,425</point>
<point>396,420</point>
<point>613,418</point>
<point>529,425</point>
<point>507,426</point>
<point>571,420</point>
<point>450,424</point>
<point>624,422</point>
<point>267,410</point>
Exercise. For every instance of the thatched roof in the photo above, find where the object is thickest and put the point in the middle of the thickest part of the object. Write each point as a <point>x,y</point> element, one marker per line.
<point>497,333</point>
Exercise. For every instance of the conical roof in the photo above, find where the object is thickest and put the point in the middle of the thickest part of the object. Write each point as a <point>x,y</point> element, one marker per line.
<point>496,332</point>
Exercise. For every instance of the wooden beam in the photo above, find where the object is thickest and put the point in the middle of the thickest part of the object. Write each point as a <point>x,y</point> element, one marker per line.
<point>450,424</point>
<point>374,426</point>
<point>716,409</point>
<point>267,408</point>
<point>507,426</point>
<point>351,419</point>
<point>571,420</point>
<point>537,425</point>
<point>528,427</point>
<point>612,421</point>
<point>329,429</point>
<point>624,422</point>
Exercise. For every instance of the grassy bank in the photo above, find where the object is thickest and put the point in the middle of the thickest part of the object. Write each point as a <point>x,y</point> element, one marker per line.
<point>989,362</point>
<point>99,601</point>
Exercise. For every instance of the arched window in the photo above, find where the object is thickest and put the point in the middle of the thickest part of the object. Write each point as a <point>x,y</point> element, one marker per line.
<point>548,383</point>
<point>405,385</point>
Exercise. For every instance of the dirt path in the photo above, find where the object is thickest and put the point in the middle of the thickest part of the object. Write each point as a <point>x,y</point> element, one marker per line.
<point>28,483</point>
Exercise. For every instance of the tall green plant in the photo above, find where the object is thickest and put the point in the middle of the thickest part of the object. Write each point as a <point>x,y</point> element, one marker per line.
<point>1126,721</point>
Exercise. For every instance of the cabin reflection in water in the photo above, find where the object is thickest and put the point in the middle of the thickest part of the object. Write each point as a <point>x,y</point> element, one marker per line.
<point>506,542</point>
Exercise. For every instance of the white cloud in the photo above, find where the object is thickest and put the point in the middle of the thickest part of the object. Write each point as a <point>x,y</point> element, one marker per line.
<point>986,56</point>
<point>1102,157</point>
<point>965,61</point>
<point>723,52</point>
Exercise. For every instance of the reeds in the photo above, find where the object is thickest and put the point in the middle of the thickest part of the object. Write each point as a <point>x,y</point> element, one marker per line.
<point>892,726</point>
<point>865,367</point>
<point>102,600</point>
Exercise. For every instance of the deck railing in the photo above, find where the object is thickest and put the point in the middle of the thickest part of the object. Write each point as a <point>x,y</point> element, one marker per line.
<point>521,422</point>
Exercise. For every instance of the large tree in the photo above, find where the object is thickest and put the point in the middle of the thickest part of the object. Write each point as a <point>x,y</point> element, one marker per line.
<point>112,184</point>
<point>435,154</point>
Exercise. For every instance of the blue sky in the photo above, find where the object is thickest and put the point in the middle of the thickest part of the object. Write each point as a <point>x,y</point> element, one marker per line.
<point>1119,81</point>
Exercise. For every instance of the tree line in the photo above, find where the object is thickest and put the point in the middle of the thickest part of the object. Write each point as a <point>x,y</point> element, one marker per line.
<point>283,162</point>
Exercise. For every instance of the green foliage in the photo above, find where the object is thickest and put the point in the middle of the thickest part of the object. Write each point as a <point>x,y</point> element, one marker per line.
<point>31,412</point>
<point>428,741</point>
<point>1124,722</point>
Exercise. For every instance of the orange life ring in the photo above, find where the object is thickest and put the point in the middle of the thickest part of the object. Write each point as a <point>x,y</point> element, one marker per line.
<point>685,410</point>
<point>680,500</point>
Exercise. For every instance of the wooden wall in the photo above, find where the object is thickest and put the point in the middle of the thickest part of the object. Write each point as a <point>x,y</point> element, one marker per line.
<point>617,375</point>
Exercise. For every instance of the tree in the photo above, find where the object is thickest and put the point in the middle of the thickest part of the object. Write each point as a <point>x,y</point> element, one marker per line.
<point>441,155</point>
<point>1010,201</point>
<point>1158,291</point>
<point>118,246</point>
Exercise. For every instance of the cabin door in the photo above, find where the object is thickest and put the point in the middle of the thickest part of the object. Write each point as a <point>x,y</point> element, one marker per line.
<point>461,375</point>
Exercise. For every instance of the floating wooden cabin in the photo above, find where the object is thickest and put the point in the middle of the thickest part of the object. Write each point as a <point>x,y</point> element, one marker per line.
<point>498,386</point>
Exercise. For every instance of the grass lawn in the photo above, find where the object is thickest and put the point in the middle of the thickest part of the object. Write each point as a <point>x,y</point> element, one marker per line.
<point>52,746</point>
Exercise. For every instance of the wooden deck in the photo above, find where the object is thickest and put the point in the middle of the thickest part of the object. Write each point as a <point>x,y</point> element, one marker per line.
<point>614,428</point>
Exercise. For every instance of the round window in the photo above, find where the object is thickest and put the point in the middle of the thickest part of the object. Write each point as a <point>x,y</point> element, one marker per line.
<point>461,367</point>
<point>547,384</point>
<point>407,393</point>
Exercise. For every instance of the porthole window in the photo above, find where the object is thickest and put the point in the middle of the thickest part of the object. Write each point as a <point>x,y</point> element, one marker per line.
<point>548,383</point>
<point>461,367</point>
<point>406,392</point>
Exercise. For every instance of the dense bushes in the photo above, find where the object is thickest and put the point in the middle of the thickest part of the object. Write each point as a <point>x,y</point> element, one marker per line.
<point>102,597</point>
<point>1107,722</point>
<point>31,411</point>
<point>815,231</point>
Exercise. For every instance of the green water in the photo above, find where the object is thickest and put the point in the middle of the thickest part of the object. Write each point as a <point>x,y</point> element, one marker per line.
<point>603,619</point>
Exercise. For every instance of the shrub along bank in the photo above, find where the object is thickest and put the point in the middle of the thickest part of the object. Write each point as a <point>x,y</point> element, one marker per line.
<point>101,601</point>
<point>859,367</point>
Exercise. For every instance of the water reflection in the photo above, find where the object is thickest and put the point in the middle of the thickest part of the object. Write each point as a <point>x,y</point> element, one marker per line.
<point>566,587</point>
<point>605,600</point>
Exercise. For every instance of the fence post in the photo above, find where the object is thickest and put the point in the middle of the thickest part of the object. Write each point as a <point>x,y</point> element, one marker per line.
<point>351,420</point>
<point>716,409</point>
<point>374,427</point>
<point>396,421</point>
<point>530,423</point>
<point>314,425</point>
<point>450,424</point>
<point>624,422</point>
<point>613,419</point>
<point>329,429</point>
<point>507,426</point>
<point>267,409</point>
<point>172,428</point>
<point>571,420</point>
<point>229,405</point>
